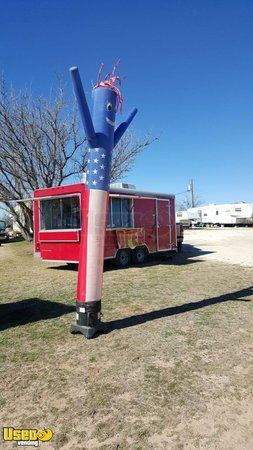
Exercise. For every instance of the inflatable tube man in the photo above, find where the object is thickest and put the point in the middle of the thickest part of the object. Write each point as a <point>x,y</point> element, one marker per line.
<point>102,138</point>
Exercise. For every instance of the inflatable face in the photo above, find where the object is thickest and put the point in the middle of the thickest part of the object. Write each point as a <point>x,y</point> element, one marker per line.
<point>107,98</point>
<point>104,114</point>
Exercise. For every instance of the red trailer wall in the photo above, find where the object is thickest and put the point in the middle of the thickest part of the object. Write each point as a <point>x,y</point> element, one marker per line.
<point>163,224</point>
<point>145,216</point>
<point>111,244</point>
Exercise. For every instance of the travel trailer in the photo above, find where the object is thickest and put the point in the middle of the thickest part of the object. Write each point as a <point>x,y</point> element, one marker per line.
<point>228,214</point>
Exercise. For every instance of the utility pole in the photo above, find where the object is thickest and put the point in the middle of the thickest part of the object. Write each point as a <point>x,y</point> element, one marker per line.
<point>192,193</point>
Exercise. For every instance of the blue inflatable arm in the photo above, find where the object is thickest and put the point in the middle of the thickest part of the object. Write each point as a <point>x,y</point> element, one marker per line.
<point>123,126</point>
<point>83,107</point>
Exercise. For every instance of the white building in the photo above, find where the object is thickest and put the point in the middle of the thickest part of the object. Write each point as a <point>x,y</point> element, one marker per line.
<point>214,214</point>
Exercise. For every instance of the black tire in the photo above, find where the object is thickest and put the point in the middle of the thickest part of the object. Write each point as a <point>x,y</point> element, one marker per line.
<point>139,255</point>
<point>122,259</point>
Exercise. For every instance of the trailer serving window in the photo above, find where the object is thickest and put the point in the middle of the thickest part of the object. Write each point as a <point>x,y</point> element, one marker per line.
<point>120,213</point>
<point>60,213</point>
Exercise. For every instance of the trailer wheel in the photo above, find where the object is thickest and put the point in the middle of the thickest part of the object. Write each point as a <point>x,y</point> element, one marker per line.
<point>122,259</point>
<point>139,255</point>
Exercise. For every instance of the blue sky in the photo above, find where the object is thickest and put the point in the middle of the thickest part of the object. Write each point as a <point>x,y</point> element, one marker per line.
<point>189,68</point>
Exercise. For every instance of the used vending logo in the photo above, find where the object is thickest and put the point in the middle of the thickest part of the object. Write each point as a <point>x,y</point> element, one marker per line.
<point>27,436</point>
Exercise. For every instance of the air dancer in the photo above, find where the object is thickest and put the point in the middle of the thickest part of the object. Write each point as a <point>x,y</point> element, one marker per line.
<point>102,138</point>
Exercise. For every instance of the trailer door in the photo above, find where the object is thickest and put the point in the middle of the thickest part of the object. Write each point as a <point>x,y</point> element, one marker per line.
<point>163,225</point>
<point>145,217</point>
<point>172,223</point>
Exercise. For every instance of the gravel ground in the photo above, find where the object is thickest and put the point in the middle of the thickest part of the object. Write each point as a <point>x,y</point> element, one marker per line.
<point>228,245</point>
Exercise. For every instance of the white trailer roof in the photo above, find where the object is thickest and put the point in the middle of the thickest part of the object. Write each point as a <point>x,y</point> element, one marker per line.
<point>136,193</point>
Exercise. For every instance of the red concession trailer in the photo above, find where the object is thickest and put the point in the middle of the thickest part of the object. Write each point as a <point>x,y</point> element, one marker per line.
<point>139,223</point>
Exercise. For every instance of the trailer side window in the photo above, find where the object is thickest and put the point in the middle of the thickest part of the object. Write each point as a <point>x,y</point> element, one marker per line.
<point>109,216</point>
<point>116,212</point>
<point>60,214</point>
<point>56,214</point>
<point>126,213</point>
<point>120,213</point>
<point>238,209</point>
<point>45,215</point>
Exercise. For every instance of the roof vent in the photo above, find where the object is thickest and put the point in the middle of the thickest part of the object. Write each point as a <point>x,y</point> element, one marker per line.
<point>122,186</point>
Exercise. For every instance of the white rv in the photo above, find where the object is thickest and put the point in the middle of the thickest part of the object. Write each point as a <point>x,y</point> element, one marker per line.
<point>215,214</point>
<point>191,215</point>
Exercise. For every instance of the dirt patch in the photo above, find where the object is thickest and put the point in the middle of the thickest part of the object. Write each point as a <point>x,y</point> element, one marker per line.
<point>228,245</point>
<point>174,370</point>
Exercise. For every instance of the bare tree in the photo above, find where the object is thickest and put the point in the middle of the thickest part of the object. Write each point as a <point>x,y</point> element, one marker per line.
<point>186,203</point>
<point>125,153</point>
<point>41,146</point>
<point>38,142</point>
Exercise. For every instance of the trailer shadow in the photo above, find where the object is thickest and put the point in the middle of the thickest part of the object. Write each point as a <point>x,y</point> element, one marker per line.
<point>188,255</point>
<point>184,257</point>
<point>139,319</point>
<point>30,310</point>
